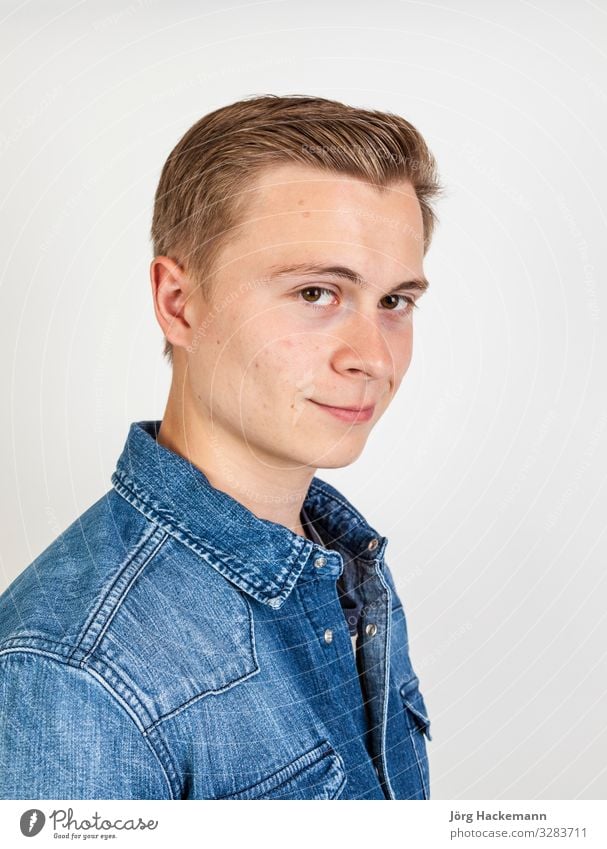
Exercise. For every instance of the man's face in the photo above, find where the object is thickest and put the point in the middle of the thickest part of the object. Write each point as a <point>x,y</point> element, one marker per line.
<point>287,331</point>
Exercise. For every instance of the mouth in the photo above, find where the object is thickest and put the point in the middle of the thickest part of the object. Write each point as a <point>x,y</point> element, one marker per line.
<point>349,414</point>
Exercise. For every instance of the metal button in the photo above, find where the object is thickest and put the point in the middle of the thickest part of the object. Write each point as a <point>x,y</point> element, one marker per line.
<point>328,635</point>
<point>371,629</point>
<point>320,561</point>
<point>373,543</point>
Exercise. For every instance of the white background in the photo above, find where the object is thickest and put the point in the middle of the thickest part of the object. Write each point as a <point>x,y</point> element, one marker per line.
<point>487,473</point>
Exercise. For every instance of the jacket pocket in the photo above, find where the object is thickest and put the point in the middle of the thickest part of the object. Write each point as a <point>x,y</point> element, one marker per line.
<point>317,774</point>
<point>418,724</point>
<point>414,702</point>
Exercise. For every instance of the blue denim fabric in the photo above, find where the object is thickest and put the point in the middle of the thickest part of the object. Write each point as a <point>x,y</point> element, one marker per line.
<point>172,645</point>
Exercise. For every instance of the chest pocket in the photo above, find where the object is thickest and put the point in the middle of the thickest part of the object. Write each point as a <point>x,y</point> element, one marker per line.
<point>414,702</point>
<point>317,774</point>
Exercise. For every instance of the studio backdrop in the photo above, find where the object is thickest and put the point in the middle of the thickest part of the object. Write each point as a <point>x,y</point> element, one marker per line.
<point>487,473</point>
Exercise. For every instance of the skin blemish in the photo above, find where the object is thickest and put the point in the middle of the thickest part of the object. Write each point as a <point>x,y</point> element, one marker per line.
<point>301,202</point>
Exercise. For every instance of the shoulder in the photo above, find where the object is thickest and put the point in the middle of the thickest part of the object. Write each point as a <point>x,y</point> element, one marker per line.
<point>53,597</point>
<point>116,595</point>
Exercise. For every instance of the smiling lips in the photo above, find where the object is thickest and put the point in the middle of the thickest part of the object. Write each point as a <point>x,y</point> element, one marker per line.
<point>348,414</point>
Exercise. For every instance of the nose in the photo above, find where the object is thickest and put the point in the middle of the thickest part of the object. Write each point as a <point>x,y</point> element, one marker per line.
<point>364,348</point>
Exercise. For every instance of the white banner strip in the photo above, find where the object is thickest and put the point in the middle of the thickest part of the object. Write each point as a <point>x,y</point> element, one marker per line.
<point>435,824</point>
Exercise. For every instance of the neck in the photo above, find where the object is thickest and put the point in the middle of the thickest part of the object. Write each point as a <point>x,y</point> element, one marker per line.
<point>269,492</point>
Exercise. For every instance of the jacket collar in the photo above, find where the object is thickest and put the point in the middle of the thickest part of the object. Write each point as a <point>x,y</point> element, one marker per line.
<point>261,557</point>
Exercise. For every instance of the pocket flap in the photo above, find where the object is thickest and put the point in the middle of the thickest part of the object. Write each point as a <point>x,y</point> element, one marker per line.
<point>317,774</point>
<point>414,702</point>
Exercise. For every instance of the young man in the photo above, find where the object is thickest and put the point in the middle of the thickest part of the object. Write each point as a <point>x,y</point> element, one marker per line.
<point>222,623</point>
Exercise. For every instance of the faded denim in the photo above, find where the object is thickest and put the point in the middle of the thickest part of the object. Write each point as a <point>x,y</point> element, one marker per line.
<point>172,645</point>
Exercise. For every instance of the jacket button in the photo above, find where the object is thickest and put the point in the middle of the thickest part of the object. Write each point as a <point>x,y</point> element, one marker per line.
<point>373,543</point>
<point>328,635</point>
<point>371,629</point>
<point>320,561</point>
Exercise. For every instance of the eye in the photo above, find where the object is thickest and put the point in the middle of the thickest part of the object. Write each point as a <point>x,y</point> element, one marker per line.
<point>312,296</point>
<point>314,291</point>
<point>408,303</point>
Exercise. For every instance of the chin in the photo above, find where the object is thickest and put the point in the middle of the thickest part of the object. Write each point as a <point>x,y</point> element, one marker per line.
<point>338,458</point>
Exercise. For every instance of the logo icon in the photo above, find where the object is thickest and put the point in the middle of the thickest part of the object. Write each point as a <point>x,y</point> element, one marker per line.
<point>32,822</point>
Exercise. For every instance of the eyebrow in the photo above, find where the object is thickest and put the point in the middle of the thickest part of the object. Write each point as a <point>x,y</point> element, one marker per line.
<point>419,284</point>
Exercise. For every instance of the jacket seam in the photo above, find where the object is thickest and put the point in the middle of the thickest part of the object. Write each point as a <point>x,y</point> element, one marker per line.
<point>115,697</point>
<point>154,725</point>
<point>100,618</point>
<point>162,756</point>
<point>386,673</point>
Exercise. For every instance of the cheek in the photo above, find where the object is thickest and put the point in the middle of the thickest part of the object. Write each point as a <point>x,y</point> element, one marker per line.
<point>224,357</point>
<point>237,346</point>
<point>288,359</point>
<point>402,352</point>
<point>284,370</point>
<point>407,351</point>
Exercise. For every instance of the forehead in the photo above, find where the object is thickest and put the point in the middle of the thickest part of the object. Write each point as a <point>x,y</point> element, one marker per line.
<point>290,208</point>
<point>288,188</point>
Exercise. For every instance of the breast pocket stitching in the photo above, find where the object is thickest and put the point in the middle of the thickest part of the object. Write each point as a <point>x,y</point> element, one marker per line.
<point>317,774</point>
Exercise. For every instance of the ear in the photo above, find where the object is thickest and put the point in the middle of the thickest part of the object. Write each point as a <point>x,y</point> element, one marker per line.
<point>172,292</point>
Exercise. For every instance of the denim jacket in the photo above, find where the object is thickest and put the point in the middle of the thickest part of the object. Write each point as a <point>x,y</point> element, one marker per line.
<point>172,645</point>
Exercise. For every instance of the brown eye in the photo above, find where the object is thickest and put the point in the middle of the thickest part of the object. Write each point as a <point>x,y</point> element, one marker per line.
<point>315,289</point>
<point>392,299</point>
<point>316,293</point>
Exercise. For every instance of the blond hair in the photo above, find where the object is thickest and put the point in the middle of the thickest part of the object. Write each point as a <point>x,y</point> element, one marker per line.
<point>202,188</point>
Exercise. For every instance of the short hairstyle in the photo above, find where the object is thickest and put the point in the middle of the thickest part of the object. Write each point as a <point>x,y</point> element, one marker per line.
<point>203,184</point>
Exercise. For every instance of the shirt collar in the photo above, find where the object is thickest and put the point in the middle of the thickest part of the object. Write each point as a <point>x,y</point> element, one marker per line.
<point>261,557</point>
